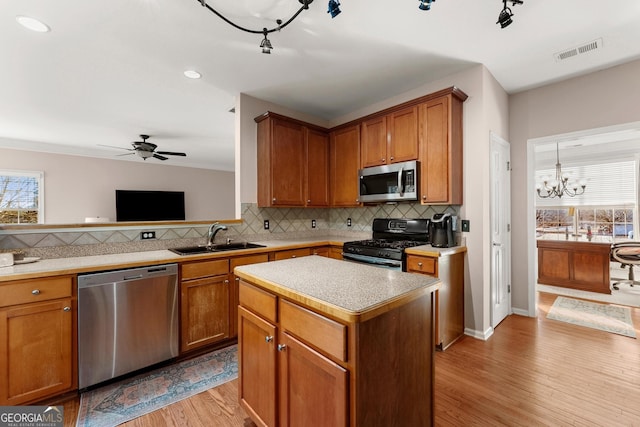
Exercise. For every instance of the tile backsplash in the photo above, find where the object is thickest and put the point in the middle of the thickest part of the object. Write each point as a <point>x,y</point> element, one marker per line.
<point>284,223</point>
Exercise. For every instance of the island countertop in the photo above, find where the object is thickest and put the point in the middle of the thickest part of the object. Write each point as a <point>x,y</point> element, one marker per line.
<point>349,291</point>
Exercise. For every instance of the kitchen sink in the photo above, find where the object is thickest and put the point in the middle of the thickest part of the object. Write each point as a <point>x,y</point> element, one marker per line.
<point>221,247</point>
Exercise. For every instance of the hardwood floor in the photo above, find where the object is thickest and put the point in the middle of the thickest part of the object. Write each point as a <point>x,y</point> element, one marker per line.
<point>531,372</point>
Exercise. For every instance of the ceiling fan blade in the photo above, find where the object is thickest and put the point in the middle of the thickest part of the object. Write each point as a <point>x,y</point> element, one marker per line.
<point>113,146</point>
<point>171,153</point>
<point>125,154</point>
<point>159,157</point>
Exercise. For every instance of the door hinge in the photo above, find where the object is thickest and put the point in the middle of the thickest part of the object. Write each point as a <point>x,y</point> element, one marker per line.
<point>508,166</point>
<point>508,227</point>
<point>508,289</point>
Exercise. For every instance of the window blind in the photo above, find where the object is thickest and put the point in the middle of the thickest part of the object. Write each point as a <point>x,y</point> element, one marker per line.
<point>608,184</point>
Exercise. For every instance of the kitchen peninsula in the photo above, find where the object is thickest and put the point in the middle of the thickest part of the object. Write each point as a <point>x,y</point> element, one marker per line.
<point>327,342</point>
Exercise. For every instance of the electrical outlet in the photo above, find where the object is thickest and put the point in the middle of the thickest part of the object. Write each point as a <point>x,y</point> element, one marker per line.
<point>146,235</point>
<point>313,223</point>
<point>465,225</point>
<point>348,222</point>
<point>266,224</point>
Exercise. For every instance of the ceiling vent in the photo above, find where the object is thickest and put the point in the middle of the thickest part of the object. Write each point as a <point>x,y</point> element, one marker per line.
<point>579,50</point>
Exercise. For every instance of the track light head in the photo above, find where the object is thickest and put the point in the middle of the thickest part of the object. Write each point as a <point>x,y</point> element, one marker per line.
<point>504,19</point>
<point>334,8</point>
<point>425,4</point>
<point>266,43</point>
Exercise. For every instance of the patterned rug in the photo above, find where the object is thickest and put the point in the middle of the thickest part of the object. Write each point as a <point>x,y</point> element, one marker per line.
<point>125,400</point>
<point>611,318</point>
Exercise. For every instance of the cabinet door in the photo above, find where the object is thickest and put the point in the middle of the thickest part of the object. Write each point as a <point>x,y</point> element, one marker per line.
<point>257,370</point>
<point>287,164</point>
<point>205,311</point>
<point>374,142</point>
<point>35,351</point>
<point>313,389</point>
<point>345,162</point>
<point>434,158</point>
<point>317,169</point>
<point>403,135</point>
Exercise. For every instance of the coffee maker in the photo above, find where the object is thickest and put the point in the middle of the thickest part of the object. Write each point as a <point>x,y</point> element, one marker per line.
<point>441,230</point>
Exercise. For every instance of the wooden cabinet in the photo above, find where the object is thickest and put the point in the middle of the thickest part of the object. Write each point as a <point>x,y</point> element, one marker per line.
<point>282,380</point>
<point>37,355</point>
<point>344,165</point>
<point>577,265</point>
<point>204,301</point>
<point>335,252</point>
<point>293,162</point>
<point>290,253</point>
<point>233,295</point>
<point>390,138</point>
<point>449,299</point>
<point>440,139</point>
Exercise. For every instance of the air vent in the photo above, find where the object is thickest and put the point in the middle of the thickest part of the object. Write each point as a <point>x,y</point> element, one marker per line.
<point>579,50</point>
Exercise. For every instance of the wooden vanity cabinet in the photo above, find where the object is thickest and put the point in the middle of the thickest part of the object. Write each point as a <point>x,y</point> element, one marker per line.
<point>440,139</point>
<point>449,299</point>
<point>293,162</point>
<point>204,302</point>
<point>344,164</point>
<point>37,348</point>
<point>390,138</point>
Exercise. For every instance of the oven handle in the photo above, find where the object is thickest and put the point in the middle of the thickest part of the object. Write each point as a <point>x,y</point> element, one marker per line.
<point>400,186</point>
<point>383,263</point>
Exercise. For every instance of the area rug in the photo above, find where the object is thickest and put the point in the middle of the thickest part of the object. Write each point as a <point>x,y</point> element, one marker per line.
<point>125,400</point>
<point>611,318</point>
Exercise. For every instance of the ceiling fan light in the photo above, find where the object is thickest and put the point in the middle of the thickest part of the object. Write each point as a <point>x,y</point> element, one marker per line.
<point>334,8</point>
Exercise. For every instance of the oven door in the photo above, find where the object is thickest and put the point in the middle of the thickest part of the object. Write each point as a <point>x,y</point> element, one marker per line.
<point>391,264</point>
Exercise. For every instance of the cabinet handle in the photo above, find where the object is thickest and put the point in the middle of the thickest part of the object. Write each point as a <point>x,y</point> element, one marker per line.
<point>293,256</point>
<point>226,281</point>
<point>420,264</point>
<point>382,160</point>
<point>424,197</point>
<point>309,201</point>
<point>36,292</point>
<point>282,347</point>
<point>268,339</point>
<point>391,158</point>
<point>67,309</point>
<point>237,279</point>
<point>274,200</point>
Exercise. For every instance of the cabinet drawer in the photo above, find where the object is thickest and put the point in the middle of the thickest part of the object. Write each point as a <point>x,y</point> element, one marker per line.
<point>26,291</point>
<point>205,268</point>
<point>246,260</point>
<point>325,334</point>
<point>425,265</point>
<point>293,253</point>
<point>260,302</point>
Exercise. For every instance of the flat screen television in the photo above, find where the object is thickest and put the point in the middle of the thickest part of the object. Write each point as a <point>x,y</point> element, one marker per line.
<point>139,205</point>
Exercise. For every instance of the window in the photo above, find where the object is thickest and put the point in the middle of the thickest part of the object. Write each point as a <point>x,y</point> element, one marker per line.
<point>21,196</point>
<point>599,223</point>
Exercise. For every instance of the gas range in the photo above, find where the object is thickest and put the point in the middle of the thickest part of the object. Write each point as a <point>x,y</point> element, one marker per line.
<point>390,238</point>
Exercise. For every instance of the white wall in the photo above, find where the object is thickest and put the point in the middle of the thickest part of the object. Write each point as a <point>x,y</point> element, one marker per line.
<point>485,110</point>
<point>604,98</point>
<point>79,187</point>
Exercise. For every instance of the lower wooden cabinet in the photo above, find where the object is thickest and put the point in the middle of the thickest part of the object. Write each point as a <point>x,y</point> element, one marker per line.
<point>36,340</point>
<point>204,301</point>
<point>449,299</point>
<point>290,253</point>
<point>233,297</point>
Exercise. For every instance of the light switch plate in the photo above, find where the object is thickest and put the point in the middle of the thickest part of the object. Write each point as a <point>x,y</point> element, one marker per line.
<point>313,223</point>
<point>465,225</point>
<point>146,235</point>
<point>266,224</point>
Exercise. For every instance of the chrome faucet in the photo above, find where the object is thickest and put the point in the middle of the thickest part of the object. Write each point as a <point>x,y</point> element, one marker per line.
<point>213,230</point>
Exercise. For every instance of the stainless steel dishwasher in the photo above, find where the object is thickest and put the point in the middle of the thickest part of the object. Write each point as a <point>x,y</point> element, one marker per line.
<point>127,320</point>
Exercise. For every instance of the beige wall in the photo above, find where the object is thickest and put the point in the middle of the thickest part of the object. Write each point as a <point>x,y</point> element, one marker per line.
<point>603,98</point>
<point>485,110</point>
<point>79,187</point>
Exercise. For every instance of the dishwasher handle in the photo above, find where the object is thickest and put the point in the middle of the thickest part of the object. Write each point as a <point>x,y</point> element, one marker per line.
<point>138,276</point>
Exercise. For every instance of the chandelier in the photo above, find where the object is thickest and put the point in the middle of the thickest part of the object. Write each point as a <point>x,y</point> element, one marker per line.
<point>504,19</point>
<point>560,185</point>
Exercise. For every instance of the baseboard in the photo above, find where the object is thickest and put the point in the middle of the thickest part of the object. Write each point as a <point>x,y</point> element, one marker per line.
<point>479,334</point>
<point>520,312</point>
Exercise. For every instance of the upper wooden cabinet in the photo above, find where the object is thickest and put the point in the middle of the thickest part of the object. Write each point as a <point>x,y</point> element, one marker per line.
<point>345,162</point>
<point>390,138</point>
<point>440,139</point>
<point>293,163</point>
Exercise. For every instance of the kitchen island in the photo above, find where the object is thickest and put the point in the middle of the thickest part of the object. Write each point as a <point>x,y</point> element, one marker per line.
<point>333,343</point>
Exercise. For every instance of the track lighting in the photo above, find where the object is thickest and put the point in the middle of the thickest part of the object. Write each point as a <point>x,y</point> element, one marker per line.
<point>266,43</point>
<point>504,19</point>
<point>334,8</point>
<point>425,4</point>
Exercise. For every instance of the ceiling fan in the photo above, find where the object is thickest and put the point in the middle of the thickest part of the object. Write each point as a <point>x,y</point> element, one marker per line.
<point>146,149</point>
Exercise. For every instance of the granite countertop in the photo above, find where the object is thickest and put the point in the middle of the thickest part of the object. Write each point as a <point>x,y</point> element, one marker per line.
<point>349,291</point>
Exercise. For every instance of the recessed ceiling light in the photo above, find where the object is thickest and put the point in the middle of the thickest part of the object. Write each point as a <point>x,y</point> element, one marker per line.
<point>33,24</point>
<point>192,74</point>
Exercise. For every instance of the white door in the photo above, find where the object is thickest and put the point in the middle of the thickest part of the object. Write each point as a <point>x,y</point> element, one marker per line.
<point>500,230</point>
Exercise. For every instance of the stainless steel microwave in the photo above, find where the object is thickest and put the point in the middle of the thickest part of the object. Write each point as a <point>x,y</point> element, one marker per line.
<point>389,183</point>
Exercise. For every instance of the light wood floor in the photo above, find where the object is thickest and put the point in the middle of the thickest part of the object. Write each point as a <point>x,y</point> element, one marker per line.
<point>531,372</point>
